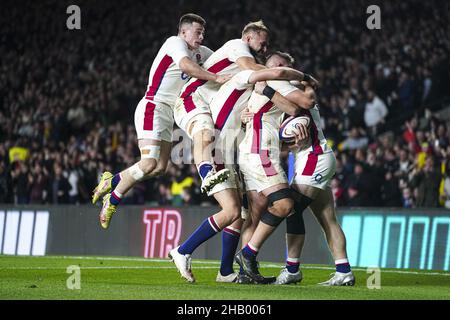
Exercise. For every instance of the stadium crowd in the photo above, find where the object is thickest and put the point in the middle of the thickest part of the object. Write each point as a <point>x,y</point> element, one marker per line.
<point>67,98</point>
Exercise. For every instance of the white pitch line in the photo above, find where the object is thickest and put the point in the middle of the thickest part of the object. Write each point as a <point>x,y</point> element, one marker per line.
<point>216,263</point>
<point>100,268</point>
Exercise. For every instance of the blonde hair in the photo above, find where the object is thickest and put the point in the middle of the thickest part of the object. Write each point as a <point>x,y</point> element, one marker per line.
<point>256,26</point>
<point>286,56</point>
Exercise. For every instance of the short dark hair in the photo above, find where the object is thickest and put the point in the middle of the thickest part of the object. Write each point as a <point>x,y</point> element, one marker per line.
<point>189,18</point>
<point>256,26</point>
<point>286,56</point>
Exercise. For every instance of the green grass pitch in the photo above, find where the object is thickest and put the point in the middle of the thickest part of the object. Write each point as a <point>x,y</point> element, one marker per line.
<point>139,278</point>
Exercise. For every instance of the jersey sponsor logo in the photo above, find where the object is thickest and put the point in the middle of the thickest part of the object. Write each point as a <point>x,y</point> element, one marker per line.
<point>162,232</point>
<point>318,177</point>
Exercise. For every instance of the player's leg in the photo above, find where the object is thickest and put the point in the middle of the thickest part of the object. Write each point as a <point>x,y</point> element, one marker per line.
<point>257,205</point>
<point>324,211</point>
<point>232,234</point>
<point>303,195</point>
<point>280,206</point>
<point>229,200</point>
<point>230,241</point>
<point>154,125</point>
<point>154,158</point>
<point>201,129</point>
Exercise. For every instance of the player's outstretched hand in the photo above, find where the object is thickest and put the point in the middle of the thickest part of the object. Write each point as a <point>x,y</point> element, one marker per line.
<point>223,78</point>
<point>259,87</point>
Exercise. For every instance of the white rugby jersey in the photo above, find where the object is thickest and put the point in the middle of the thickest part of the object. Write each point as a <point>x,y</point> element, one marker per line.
<point>166,78</point>
<point>230,101</point>
<point>222,61</point>
<point>262,132</point>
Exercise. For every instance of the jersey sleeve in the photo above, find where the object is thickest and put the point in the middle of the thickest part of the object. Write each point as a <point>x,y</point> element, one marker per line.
<point>177,49</point>
<point>281,86</point>
<point>241,79</point>
<point>238,49</point>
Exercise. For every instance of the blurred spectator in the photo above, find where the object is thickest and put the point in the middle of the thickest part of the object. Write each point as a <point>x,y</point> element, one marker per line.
<point>164,196</point>
<point>390,193</point>
<point>427,181</point>
<point>354,196</point>
<point>38,181</point>
<point>374,113</point>
<point>445,196</point>
<point>20,183</point>
<point>59,186</point>
<point>407,198</point>
<point>355,140</point>
<point>4,184</point>
<point>359,186</point>
<point>338,192</point>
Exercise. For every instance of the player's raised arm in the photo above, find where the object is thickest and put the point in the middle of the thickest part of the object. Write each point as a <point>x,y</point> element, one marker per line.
<point>281,102</point>
<point>278,73</point>
<point>303,99</point>
<point>247,63</point>
<point>192,69</point>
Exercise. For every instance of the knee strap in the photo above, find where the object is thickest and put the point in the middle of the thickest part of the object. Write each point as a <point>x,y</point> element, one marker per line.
<point>270,219</point>
<point>295,223</point>
<point>278,195</point>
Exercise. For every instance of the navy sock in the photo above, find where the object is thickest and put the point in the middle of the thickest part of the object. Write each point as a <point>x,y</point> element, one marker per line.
<point>343,266</point>
<point>115,180</point>
<point>230,241</point>
<point>204,168</point>
<point>292,265</point>
<point>249,252</point>
<point>115,198</point>
<point>203,233</point>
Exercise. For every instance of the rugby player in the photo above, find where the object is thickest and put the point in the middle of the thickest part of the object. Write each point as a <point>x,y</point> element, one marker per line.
<point>192,113</point>
<point>179,58</point>
<point>259,160</point>
<point>315,166</point>
<point>226,107</point>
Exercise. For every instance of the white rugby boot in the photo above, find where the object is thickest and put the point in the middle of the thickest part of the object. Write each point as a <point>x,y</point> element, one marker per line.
<point>286,277</point>
<point>232,277</point>
<point>183,262</point>
<point>340,279</point>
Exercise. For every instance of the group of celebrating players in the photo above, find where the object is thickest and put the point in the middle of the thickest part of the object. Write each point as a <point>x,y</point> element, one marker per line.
<point>228,98</point>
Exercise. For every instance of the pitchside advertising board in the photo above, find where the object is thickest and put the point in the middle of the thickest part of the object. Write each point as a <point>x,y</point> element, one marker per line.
<point>391,238</point>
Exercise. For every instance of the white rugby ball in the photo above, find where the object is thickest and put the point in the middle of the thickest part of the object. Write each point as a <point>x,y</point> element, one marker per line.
<point>290,126</point>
